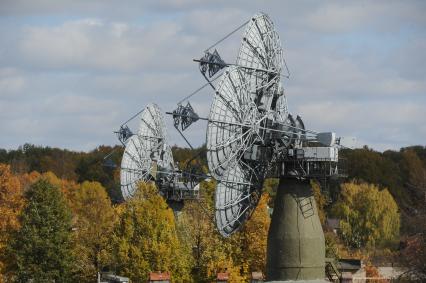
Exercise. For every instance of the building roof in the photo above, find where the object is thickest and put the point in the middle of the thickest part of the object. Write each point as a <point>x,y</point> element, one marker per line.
<point>222,276</point>
<point>349,264</point>
<point>257,275</point>
<point>159,276</point>
<point>115,278</point>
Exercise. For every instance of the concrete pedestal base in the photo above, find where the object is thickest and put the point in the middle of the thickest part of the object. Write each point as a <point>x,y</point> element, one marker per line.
<point>296,247</point>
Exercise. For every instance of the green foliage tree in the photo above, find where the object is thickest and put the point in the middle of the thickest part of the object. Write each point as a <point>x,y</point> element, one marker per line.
<point>146,240</point>
<point>413,171</point>
<point>368,216</point>
<point>42,247</point>
<point>90,167</point>
<point>372,167</point>
<point>94,219</point>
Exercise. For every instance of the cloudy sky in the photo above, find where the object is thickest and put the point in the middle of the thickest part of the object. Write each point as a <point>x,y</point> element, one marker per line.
<point>72,71</point>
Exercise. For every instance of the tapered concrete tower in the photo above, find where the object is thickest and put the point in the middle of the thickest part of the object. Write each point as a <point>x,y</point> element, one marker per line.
<point>296,247</point>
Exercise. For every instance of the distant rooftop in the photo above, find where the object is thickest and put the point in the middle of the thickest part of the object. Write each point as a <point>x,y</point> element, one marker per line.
<point>350,264</point>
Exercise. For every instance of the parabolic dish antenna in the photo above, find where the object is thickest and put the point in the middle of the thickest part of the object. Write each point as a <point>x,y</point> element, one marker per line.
<point>237,123</point>
<point>234,126</point>
<point>146,152</point>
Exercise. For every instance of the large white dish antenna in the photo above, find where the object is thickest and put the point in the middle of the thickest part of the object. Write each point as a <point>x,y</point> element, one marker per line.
<point>245,96</point>
<point>234,126</point>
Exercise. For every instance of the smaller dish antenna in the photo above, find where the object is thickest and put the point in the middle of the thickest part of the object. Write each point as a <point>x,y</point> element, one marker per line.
<point>146,153</point>
<point>148,157</point>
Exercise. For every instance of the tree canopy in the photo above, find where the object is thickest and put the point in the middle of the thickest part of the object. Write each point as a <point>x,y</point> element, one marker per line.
<point>368,216</point>
<point>42,246</point>
<point>146,239</point>
<point>11,204</point>
<point>94,219</point>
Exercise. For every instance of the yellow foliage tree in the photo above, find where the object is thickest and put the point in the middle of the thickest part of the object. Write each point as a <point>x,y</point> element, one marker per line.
<point>238,255</point>
<point>368,216</point>
<point>94,222</point>
<point>255,237</point>
<point>28,179</point>
<point>320,201</point>
<point>211,252</point>
<point>11,204</point>
<point>145,238</point>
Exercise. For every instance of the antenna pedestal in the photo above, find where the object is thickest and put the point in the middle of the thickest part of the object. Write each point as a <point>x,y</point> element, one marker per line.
<point>296,247</point>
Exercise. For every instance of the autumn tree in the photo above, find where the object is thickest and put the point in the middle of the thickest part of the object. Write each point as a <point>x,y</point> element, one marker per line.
<point>94,222</point>
<point>320,200</point>
<point>255,236</point>
<point>270,186</point>
<point>11,204</point>
<point>367,165</point>
<point>42,246</point>
<point>414,172</point>
<point>67,187</point>
<point>368,216</point>
<point>211,252</point>
<point>146,240</point>
<point>239,254</point>
<point>90,167</point>
<point>414,249</point>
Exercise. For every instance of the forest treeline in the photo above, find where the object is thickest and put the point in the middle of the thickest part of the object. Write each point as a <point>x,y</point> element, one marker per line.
<point>402,172</point>
<point>62,218</point>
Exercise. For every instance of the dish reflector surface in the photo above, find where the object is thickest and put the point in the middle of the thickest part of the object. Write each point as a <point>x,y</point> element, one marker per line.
<point>228,129</point>
<point>261,45</point>
<point>236,197</point>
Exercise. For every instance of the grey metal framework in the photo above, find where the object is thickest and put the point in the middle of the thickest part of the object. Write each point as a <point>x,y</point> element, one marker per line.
<point>239,124</point>
<point>250,131</point>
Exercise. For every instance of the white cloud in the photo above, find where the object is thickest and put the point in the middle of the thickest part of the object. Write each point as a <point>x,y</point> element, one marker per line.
<point>72,71</point>
<point>11,82</point>
<point>91,44</point>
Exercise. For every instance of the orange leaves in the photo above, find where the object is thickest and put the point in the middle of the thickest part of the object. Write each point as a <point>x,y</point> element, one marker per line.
<point>11,200</point>
<point>11,204</point>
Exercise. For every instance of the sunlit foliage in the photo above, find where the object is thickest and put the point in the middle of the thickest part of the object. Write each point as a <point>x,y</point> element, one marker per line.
<point>145,239</point>
<point>368,216</point>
